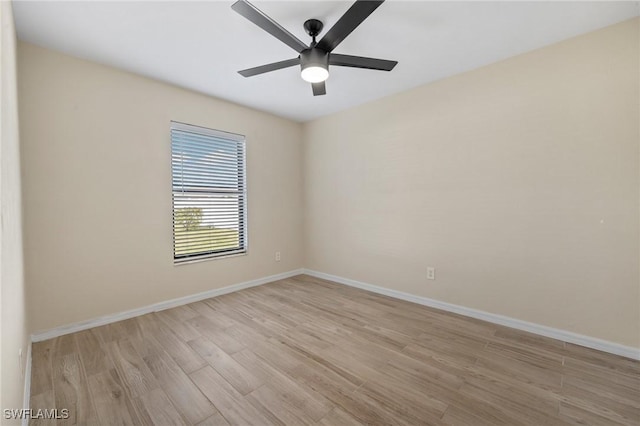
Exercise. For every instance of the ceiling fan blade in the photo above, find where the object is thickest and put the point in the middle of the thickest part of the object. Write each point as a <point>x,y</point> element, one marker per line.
<point>250,72</point>
<point>353,17</point>
<point>254,14</point>
<point>361,62</point>
<point>319,88</point>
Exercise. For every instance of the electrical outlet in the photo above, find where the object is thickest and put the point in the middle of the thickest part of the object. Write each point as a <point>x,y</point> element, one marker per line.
<point>431,273</point>
<point>277,256</point>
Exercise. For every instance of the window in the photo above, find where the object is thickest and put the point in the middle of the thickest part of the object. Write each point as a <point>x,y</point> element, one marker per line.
<point>209,193</point>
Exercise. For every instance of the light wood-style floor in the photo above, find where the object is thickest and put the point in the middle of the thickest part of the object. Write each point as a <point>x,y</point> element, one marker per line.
<point>306,351</point>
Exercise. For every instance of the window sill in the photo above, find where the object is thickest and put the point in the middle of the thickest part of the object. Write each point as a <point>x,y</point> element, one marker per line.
<point>209,258</point>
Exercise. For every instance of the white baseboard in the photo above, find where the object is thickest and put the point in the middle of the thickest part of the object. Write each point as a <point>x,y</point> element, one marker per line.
<point>108,319</point>
<point>26,403</point>
<point>554,333</point>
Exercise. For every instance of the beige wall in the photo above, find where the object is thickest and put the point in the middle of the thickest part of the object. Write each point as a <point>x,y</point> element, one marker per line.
<point>97,195</point>
<point>14,335</point>
<point>518,181</point>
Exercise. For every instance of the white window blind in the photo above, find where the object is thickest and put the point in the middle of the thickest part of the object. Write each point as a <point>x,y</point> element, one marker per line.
<point>209,193</point>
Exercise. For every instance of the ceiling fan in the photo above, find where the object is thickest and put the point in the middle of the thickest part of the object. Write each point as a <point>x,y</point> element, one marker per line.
<point>314,60</point>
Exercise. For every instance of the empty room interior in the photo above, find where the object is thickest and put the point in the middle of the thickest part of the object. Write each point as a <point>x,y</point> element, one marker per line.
<point>320,213</point>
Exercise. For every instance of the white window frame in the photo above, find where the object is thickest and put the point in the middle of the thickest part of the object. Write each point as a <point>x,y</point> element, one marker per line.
<point>232,137</point>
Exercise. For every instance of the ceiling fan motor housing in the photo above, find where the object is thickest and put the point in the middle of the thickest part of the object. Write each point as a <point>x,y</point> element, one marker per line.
<point>314,57</point>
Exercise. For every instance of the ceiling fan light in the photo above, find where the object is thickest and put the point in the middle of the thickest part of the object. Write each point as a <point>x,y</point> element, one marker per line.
<point>314,65</point>
<point>314,74</point>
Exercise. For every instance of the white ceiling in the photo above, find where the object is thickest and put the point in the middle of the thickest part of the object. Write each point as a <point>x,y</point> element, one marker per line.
<point>202,45</point>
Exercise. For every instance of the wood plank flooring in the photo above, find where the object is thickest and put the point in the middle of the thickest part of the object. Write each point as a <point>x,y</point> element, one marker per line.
<point>305,351</point>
